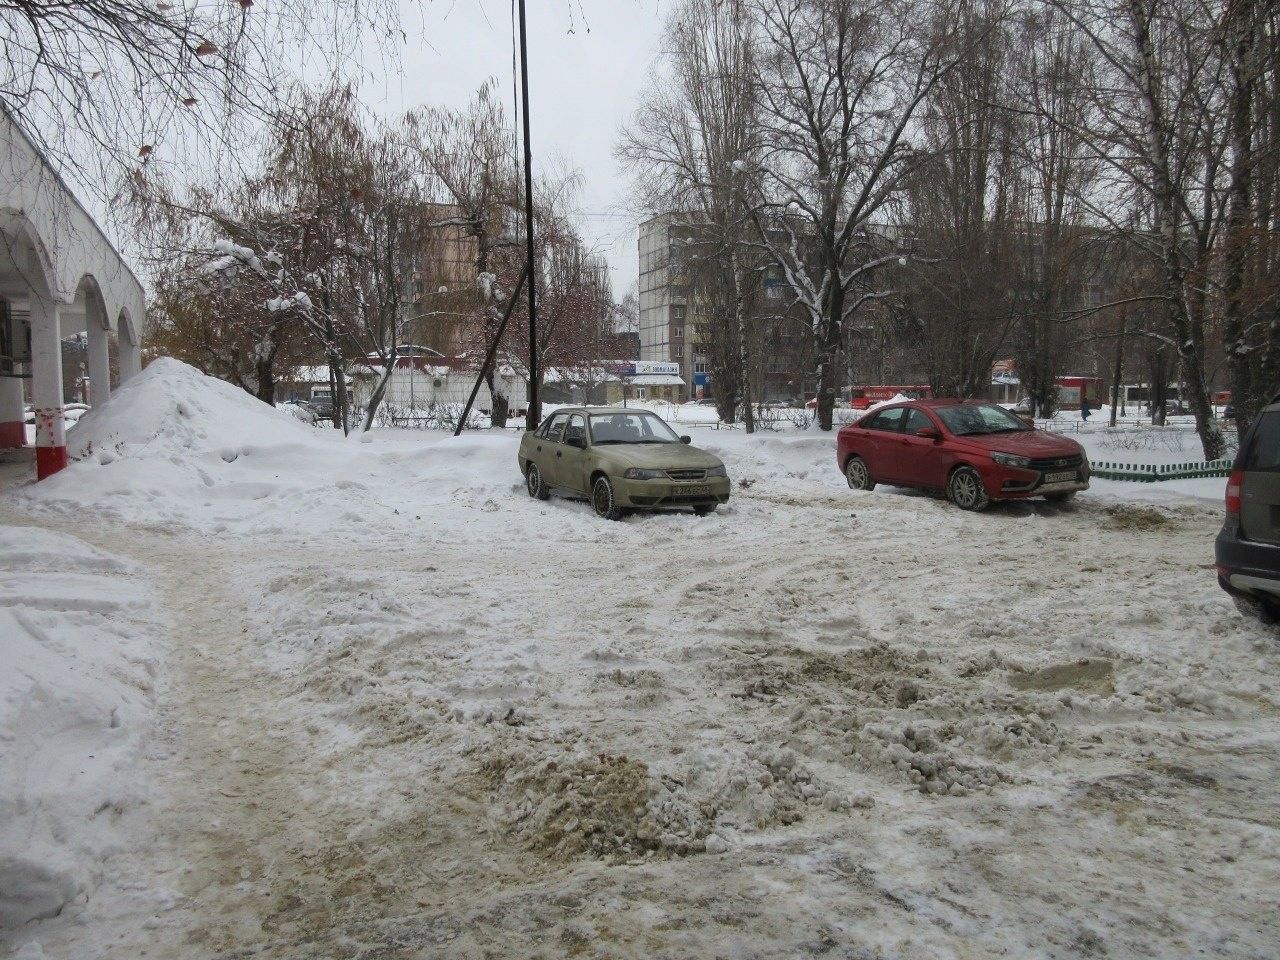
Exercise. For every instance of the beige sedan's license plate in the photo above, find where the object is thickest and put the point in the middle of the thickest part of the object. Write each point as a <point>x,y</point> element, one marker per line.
<point>695,491</point>
<point>1059,477</point>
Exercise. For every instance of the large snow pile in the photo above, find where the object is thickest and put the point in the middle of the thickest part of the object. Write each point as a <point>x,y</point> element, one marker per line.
<point>174,449</point>
<point>171,408</point>
<point>173,446</point>
<point>75,708</point>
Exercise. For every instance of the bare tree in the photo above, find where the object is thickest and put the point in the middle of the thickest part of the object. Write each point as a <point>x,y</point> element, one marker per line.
<point>1061,245</point>
<point>692,144</point>
<point>106,87</point>
<point>1156,127</point>
<point>965,207</point>
<point>841,83</point>
<point>1251,262</point>
<point>470,155</point>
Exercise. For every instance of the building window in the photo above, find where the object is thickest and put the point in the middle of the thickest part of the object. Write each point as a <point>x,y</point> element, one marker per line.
<point>677,333</point>
<point>639,393</point>
<point>678,313</point>
<point>700,366</point>
<point>678,351</point>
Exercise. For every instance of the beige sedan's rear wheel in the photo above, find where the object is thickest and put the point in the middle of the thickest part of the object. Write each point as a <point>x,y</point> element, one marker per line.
<point>603,501</point>
<point>536,486</point>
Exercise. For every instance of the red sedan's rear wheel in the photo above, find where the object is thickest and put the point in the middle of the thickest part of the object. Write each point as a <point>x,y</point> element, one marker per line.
<point>859,477</point>
<point>965,489</point>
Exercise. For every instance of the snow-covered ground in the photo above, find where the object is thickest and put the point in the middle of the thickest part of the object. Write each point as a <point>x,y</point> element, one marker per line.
<point>407,711</point>
<point>76,696</point>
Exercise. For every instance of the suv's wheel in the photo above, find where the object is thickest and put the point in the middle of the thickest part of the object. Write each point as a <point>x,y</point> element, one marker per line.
<point>859,477</point>
<point>965,489</point>
<point>1257,609</point>
<point>534,482</point>
<point>602,499</point>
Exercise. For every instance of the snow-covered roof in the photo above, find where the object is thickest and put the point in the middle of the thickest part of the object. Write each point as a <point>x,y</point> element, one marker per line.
<point>308,374</point>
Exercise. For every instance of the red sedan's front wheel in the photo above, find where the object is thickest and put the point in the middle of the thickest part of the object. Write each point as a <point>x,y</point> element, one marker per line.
<point>966,491</point>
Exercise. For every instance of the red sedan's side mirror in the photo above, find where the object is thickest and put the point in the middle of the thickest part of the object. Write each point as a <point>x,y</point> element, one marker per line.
<point>929,433</point>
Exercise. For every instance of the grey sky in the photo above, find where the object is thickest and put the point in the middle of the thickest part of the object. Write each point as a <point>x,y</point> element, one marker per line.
<point>588,62</point>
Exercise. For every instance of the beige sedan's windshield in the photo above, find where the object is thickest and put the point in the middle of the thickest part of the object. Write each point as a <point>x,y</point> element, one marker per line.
<point>630,428</point>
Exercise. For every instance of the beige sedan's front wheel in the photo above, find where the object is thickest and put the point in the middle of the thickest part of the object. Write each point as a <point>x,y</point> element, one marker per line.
<point>536,486</point>
<point>603,501</point>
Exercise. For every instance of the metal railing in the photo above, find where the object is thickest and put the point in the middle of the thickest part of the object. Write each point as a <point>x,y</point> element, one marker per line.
<point>1153,472</point>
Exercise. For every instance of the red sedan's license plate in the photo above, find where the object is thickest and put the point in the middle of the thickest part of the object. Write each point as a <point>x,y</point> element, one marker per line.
<point>696,491</point>
<point>1059,477</point>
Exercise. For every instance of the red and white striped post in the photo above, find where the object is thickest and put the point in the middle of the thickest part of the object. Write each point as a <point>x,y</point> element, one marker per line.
<point>13,433</point>
<point>46,387</point>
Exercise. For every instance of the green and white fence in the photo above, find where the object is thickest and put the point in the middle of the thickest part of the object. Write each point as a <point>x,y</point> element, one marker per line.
<point>1151,472</point>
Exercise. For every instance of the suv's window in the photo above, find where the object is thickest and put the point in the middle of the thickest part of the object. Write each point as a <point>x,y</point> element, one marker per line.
<point>887,419</point>
<point>1264,450</point>
<point>577,429</point>
<point>916,420</point>
<point>555,425</point>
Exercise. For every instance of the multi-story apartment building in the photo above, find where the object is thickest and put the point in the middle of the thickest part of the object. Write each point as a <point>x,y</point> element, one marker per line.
<point>664,297</point>
<point>676,314</point>
<point>440,284</point>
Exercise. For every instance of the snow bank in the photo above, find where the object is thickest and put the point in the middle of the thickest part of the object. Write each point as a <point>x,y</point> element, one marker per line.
<point>75,709</point>
<point>175,449</point>
<point>172,408</point>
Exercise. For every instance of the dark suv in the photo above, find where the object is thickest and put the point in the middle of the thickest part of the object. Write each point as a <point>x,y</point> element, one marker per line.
<point>1248,548</point>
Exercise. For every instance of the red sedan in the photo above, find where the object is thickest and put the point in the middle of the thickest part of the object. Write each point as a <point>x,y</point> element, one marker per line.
<point>975,451</point>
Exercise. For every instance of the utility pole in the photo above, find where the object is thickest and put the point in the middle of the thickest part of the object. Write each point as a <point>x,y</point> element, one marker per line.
<point>531,416</point>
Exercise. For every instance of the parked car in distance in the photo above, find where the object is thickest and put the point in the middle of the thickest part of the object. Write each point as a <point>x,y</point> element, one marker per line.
<point>323,408</point>
<point>303,410</point>
<point>621,460</point>
<point>1023,406</point>
<point>1247,551</point>
<point>974,451</point>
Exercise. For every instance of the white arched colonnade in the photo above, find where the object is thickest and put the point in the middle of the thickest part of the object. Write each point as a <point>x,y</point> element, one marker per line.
<point>59,276</point>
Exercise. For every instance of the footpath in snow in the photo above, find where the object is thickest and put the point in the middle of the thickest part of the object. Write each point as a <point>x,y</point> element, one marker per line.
<point>402,710</point>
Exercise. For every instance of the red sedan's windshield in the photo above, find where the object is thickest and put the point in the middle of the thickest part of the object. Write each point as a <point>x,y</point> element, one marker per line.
<point>971,419</point>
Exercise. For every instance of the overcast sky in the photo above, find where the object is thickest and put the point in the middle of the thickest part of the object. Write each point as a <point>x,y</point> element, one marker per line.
<point>588,61</point>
